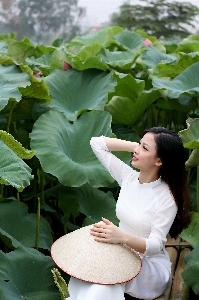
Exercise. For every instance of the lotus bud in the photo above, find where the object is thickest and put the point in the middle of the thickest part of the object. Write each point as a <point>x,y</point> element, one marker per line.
<point>38,74</point>
<point>66,66</point>
<point>147,42</point>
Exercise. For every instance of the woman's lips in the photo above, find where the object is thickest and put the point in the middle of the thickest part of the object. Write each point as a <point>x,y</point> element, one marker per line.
<point>134,158</point>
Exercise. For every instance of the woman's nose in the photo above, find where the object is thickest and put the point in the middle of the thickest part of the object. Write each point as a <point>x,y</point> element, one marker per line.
<point>136,149</point>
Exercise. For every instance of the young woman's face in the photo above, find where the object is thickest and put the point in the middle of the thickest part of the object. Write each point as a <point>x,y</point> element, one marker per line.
<point>145,155</point>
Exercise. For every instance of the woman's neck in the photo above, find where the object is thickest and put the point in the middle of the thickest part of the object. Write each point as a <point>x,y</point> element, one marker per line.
<point>148,177</point>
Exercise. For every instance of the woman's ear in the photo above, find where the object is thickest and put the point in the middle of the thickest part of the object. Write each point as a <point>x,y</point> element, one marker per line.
<point>158,162</point>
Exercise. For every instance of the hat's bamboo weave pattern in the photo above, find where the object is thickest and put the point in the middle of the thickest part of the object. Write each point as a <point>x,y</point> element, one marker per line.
<point>80,256</point>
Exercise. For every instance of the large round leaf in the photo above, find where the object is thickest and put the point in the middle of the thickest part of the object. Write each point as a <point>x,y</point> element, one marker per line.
<point>15,146</point>
<point>190,274</point>
<point>3,48</point>
<point>129,100</point>
<point>63,148</point>
<point>153,56</point>
<point>87,58</point>
<point>190,136</point>
<point>42,63</point>
<point>191,233</point>
<point>128,39</point>
<point>11,78</point>
<point>173,69</point>
<point>20,50</point>
<point>122,60</point>
<point>19,227</point>
<point>93,203</point>
<point>74,91</point>
<point>127,111</point>
<point>26,274</point>
<point>13,170</point>
<point>187,82</point>
<point>104,37</point>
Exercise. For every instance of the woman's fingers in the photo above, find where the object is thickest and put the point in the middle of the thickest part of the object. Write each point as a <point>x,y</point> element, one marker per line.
<point>105,231</point>
<point>106,221</point>
<point>98,230</point>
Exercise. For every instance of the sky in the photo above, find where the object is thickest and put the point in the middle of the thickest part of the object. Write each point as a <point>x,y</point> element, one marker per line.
<point>99,11</point>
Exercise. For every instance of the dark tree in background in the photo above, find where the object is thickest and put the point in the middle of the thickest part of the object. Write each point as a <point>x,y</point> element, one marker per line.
<point>160,18</point>
<point>41,20</point>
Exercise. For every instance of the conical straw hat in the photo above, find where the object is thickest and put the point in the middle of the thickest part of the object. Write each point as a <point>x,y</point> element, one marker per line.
<point>79,255</point>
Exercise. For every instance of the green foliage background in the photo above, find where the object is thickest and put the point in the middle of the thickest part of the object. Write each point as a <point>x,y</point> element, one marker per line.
<point>162,18</point>
<point>53,100</point>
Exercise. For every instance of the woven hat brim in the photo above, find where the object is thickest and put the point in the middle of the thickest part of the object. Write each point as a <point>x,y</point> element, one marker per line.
<point>80,256</point>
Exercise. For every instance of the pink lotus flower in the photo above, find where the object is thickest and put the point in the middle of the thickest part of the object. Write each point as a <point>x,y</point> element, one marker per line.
<point>147,42</point>
<point>66,66</point>
<point>38,74</point>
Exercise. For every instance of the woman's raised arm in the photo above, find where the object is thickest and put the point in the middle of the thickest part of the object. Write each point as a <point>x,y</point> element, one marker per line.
<point>114,144</point>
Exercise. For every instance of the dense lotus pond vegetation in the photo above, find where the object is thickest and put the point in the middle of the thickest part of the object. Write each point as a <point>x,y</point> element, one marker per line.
<point>53,99</point>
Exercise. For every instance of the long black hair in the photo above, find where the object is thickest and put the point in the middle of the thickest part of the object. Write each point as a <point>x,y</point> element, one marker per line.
<point>170,149</point>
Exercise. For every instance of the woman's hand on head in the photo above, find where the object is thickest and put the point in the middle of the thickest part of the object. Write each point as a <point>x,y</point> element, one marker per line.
<point>107,232</point>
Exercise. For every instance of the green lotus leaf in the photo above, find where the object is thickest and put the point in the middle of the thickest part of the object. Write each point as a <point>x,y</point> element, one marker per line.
<point>104,37</point>
<point>13,170</point>
<point>63,148</point>
<point>190,274</point>
<point>125,133</point>
<point>90,63</point>
<point>170,46</point>
<point>3,47</point>
<point>86,58</point>
<point>23,110</point>
<point>118,59</point>
<point>93,203</point>
<point>152,57</point>
<point>127,86</point>
<point>187,82</point>
<point>130,40</point>
<point>74,91</point>
<point>26,274</point>
<point>22,136</point>
<point>86,52</point>
<point>129,100</point>
<point>11,78</point>
<point>43,49</point>
<point>37,90</point>
<point>14,145</point>
<point>191,234</point>
<point>104,205</point>
<point>183,104</point>
<point>19,227</point>
<point>173,69</point>
<point>190,136</point>
<point>42,63</point>
<point>57,59</point>
<point>188,46</point>
<point>68,202</point>
<point>20,50</point>
<point>192,37</point>
<point>6,60</point>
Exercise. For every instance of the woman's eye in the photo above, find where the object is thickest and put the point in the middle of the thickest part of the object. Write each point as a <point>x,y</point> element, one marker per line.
<point>145,148</point>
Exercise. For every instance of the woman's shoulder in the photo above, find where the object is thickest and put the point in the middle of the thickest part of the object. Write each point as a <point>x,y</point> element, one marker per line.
<point>164,194</point>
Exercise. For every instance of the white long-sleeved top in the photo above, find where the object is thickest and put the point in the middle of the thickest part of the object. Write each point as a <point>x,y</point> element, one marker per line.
<point>145,210</point>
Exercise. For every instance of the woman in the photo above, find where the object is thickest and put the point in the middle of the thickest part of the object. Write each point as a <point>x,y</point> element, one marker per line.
<point>151,203</point>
